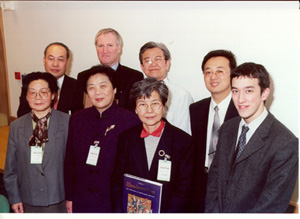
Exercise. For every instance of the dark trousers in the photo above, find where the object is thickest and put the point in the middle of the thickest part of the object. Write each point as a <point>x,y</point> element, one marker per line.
<point>56,208</point>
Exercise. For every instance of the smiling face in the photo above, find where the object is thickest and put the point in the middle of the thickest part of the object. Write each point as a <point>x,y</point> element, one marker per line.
<point>108,50</point>
<point>156,68</point>
<point>39,97</point>
<point>217,77</point>
<point>247,97</point>
<point>150,111</point>
<point>55,61</point>
<point>100,92</point>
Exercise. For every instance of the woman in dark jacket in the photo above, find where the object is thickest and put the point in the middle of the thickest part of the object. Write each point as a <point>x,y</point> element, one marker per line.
<point>92,144</point>
<point>141,148</point>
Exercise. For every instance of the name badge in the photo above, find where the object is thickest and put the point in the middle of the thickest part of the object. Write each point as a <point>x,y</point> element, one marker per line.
<point>164,170</point>
<point>36,155</point>
<point>93,155</point>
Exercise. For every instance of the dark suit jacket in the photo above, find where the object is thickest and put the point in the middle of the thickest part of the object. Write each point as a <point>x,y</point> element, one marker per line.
<point>262,179</point>
<point>125,79</point>
<point>199,119</point>
<point>66,100</point>
<point>132,159</point>
<point>36,184</point>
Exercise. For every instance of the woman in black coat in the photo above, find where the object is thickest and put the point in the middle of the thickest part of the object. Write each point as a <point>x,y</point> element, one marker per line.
<point>141,147</point>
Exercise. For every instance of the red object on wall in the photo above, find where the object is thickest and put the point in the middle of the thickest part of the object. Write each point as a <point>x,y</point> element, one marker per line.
<point>18,75</point>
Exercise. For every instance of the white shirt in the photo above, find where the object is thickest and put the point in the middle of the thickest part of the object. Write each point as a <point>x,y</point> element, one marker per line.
<point>60,81</point>
<point>252,126</point>
<point>177,106</point>
<point>223,106</point>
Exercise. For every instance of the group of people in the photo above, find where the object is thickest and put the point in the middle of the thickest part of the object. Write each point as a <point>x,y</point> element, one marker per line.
<point>122,123</point>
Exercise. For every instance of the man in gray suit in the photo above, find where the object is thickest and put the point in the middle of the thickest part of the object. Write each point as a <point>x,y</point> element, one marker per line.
<point>256,164</point>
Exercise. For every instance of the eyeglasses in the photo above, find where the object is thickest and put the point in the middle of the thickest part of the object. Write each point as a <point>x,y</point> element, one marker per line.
<point>43,93</point>
<point>144,106</point>
<point>211,73</point>
<point>156,60</point>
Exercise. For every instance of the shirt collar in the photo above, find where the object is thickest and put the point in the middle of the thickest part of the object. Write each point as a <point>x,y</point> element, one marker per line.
<point>155,133</point>
<point>106,113</point>
<point>255,123</point>
<point>115,66</point>
<point>223,105</point>
<point>60,81</point>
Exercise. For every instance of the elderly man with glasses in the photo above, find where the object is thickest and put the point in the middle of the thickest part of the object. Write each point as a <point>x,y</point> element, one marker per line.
<point>155,60</point>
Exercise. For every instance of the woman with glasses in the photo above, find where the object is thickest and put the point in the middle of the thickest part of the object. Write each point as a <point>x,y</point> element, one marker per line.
<point>33,174</point>
<point>142,149</point>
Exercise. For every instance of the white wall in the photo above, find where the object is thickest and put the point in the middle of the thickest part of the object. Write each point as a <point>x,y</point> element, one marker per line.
<point>262,32</point>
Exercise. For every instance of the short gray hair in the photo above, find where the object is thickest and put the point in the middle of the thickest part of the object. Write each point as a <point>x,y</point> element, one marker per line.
<point>144,88</point>
<point>109,30</point>
<point>151,45</point>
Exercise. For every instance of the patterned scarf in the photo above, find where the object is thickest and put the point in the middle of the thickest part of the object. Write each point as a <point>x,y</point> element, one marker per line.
<point>40,132</point>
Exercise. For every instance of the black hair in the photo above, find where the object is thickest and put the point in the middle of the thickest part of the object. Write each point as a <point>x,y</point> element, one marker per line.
<point>224,53</point>
<point>252,70</point>
<point>99,69</point>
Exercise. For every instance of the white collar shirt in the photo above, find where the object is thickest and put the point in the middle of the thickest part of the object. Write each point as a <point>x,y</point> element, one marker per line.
<point>252,126</point>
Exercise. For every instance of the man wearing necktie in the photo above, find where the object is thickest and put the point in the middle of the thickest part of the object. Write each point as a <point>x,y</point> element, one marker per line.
<point>56,60</point>
<point>256,165</point>
<point>207,115</point>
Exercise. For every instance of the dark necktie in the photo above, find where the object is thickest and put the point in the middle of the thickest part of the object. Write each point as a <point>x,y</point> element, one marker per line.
<point>242,141</point>
<point>214,136</point>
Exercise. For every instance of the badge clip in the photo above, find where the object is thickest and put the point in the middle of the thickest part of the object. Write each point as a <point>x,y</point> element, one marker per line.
<point>96,143</point>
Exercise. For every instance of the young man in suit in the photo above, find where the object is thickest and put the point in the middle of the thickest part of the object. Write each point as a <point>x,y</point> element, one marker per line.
<point>108,44</point>
<point>56,59</point>
<point>216,67</point>
<point>256,164</point>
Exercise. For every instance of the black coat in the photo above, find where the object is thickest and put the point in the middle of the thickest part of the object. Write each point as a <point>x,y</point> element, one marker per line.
<point>132,159</point>
<point>199,119</point>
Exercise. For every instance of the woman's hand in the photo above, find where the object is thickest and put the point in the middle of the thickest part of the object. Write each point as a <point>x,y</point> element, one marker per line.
<point>18,207</point>
<point>69,206</point>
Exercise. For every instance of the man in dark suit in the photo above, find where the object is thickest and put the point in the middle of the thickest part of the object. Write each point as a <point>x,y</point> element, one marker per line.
<point>108,44</point>
<point>216,67</point>
<point>256,164</point>
<point>56,59</point>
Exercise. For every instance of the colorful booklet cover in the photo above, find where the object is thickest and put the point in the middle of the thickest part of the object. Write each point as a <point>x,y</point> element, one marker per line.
<point>141,195</point>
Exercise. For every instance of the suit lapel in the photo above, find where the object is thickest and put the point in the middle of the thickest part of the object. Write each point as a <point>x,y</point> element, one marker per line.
<point>139,155</point>
<point>231,111</point>
<point>52,129</point>
<point>65,95</point>
<point>256,142</point>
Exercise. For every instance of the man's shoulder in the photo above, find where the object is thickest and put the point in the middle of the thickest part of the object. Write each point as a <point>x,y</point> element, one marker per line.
<point>179,90</point>
<point>68,78</point>
<point>129,71</point>
<point>69,81</point>
<point>204,103</point>
<point>276,128</point>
